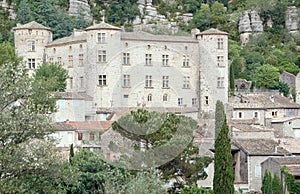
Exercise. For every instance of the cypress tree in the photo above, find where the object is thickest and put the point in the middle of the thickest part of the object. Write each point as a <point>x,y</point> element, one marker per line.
<point>267,183</point>
<point>276,185</point>
<point>223,174</point>
<point>71,153</point>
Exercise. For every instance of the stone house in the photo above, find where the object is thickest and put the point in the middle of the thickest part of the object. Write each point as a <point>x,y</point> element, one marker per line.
<point>86,134</point>
<point>262,108</point>
<point>134,69</point>
<point>247,160</point>
<point>275,164</point>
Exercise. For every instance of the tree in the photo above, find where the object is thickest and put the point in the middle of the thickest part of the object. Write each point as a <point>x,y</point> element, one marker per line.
<point>24,12</point>
<point>202,19</point>
<point>276,185</point>
<point>284,88</point>
<point>267,183</point>
<point>168,144</point>
<point>29,163</point>
<point>48,78</point>
<point>71,153</point>
<point>53,73</point>
<point>266,76</point>
<point>223,174</point>
<point>195,190</point>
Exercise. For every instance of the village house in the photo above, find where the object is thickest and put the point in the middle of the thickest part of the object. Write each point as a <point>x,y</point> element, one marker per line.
<point>276,165</point>
<point>133,69</point>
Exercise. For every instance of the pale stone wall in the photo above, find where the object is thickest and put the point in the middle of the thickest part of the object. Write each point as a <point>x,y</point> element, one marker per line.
<point>210,71</point>
<point>254,172</point>
<point>249,115</point>
<point>22,38</point>
<point>67,109</point>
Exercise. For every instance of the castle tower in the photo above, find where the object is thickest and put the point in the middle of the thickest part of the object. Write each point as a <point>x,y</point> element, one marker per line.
<point>214,69</point>
<point>30,41</point>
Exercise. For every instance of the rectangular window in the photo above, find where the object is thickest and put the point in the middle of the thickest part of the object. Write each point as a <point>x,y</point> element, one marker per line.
<point>79,136</point>
<point>220,61</point>
<point>165,60</point>
<point>240,115</point>
<point>126,57</point>
<point>274,113</point>
<point>80,59</point>
<point>31,45</point>
<point>81,82</point>
<point>148,59</point>
<point>91,136</point>
<point>126,80</point>
<point>70,63</point>
<point>51,60</point>
<point>31,63</point>
<point>220,82</point>
<point>206,100</point>
<point>101,56</point>
<point>125,96</point>
<point>180,101</point>
<point>59,60</point>
<point>220,43</point>
<point>101,37</point>
<point>194,101</point>
<point>186,82</point>
<point>148,81</point>
<point>185,61</point>
<point>255,115</point>
<point>71,82</point>
<point>165,81</point>
<point>102,80</point>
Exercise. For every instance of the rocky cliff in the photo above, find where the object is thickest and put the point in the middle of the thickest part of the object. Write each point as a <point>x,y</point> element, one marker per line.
<point>80,7</point>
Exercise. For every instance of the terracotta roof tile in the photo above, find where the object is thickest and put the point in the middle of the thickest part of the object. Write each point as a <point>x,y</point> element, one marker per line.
<point>83,125</point>
<point>294,170</point>
<point>68,39</point>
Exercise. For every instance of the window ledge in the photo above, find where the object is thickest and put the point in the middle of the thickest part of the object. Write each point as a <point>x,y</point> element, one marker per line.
<point>126,86</point>
<point>186,87</point>
<point>148,65</point>
<point>126,64</point>
<point>165,87</point>
<point>186,66</point>
<point>102,86</point>
<point>149,87</point>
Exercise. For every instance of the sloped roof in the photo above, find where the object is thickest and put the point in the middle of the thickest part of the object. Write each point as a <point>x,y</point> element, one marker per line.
<point>236,126</point>
<point>294,170</point>
<point>144,36</point>
<point>31,25</point>
<point>83,125</point>
<point>212,31</point>
<point>260,147</point>
<point>102,26</point>
<point>68,39</point>
<point>287,160</point>
<point>291,144</point>
<point>262,101</point>
<point>72,95</point>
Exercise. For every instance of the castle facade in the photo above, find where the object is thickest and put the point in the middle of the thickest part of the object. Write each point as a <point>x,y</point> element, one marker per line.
<point>120,69</point>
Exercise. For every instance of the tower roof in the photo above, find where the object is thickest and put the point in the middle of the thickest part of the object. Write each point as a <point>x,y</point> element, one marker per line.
<point>32,25</point>
<point>102,26</point>
<point>212,31</point>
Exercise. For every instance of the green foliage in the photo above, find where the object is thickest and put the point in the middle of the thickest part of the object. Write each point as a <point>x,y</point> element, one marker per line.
<point>6,24</point>
<point>223,173</point>
<point>53,73</point>
<point>195,190</point>
<point>284,88</point>
<point>71,153</point>
<point>266,76</point>
<point>271,185</point>
<point>29,163</point>
<point>24,12</point>
<point>267,183</point>
<point>291,184</point>
<point>288,67</point>
<point>164,134</point>
<point>231,79</point>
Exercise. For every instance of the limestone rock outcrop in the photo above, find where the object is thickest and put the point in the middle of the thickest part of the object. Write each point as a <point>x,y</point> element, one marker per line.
<point>291,19</point>
<point>80,7</point>
<point>250,22</point>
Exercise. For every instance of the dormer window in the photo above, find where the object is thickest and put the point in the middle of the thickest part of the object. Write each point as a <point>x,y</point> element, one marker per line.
<point>29,31</point>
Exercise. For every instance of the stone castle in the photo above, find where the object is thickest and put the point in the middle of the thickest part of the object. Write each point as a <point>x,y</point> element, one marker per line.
<point>110,69</point>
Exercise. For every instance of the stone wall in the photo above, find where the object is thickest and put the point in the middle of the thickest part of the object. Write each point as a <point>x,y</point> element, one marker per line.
<point>291,19</point>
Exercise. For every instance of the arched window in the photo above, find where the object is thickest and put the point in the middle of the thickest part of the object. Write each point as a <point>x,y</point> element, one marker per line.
<point>149,98</point>
<point>165,97</point>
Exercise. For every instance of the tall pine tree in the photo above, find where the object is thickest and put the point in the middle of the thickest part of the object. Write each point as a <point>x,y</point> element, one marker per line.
<point>223,175</point>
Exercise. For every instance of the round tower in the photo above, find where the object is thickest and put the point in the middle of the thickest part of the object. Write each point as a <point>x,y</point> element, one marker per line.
<point>30,41</point>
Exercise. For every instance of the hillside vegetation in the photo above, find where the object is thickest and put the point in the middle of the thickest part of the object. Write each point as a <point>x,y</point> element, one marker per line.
<point>267,54</point>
